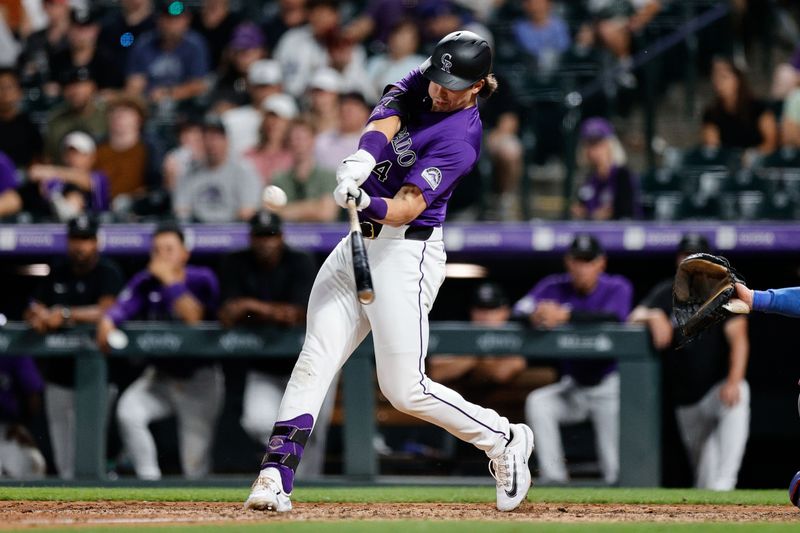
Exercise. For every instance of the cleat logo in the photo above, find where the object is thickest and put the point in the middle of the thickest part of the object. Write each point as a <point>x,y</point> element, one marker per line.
<point>513,492</point>
<point>275,443</point>
<point>446,63</point>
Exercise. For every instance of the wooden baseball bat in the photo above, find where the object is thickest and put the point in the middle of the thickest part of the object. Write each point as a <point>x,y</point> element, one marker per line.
<point>364,290</point>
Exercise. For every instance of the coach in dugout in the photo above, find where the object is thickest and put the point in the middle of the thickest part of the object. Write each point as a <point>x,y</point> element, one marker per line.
<point>705,381</point>
<point>169,290</point>
<point>587,389</point>
<point>269,283</point>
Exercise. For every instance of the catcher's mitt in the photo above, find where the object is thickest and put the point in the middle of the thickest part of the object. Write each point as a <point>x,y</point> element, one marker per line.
<point>702,293</point>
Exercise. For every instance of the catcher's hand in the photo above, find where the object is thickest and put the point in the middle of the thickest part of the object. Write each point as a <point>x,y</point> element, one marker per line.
<point>703,293</point>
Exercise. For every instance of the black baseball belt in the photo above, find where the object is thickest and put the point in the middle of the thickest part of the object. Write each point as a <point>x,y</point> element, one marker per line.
<point>371,230</point>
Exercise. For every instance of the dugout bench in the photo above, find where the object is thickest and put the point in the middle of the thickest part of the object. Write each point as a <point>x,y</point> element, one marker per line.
<point>640,407</point>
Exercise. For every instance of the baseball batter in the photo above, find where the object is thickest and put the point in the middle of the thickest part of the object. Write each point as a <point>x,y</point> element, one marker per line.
<point>421,138</point>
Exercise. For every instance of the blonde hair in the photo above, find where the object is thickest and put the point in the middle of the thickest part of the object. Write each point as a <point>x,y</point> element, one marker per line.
<point>489,86</point>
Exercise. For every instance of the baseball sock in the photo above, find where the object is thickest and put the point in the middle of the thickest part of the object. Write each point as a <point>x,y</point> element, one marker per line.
<point>285,447</point>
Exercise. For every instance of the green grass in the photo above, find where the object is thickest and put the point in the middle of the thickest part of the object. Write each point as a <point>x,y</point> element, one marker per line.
<point>404,494</point>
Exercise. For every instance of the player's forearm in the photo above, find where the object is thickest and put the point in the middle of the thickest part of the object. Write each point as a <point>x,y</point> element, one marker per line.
<point>188,308</point>
<point>10,203</point>
<point>190,89</point>
<point>388,126</point>
<point>317,210</point>
<point>86,314</point>
<point>782,301</point>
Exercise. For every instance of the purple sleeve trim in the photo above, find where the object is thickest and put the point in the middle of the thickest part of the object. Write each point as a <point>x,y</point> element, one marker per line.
<point>377,208</point>
<point>173,292</point>
<point>372,142</point>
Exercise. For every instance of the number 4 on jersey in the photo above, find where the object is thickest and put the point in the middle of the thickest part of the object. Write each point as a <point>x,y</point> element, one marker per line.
<point>382,170</point>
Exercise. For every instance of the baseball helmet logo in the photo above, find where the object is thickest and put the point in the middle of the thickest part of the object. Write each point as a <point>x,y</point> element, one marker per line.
<point>446,63</point>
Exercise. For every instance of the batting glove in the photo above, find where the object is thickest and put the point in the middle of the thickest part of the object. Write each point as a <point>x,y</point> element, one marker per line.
<point>356,167</point>
<point>349,188</point>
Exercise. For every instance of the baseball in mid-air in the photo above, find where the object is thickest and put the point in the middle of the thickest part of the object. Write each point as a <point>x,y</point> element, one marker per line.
<point>273,197</point>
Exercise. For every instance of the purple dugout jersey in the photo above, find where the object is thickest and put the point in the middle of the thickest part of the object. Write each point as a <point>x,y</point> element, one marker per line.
<point>18,375</point>
<point>8,173</point>
<point>146,298</point>
<point>611,300</point>
<point>432,152</point>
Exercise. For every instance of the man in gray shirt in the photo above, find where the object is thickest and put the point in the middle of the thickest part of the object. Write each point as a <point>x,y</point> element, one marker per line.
<point>222,190</point>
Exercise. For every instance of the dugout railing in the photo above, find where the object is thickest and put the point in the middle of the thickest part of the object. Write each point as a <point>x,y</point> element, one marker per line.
<point>640,411</point>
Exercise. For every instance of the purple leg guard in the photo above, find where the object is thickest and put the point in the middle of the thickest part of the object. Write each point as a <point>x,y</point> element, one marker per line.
<point>285,447</point>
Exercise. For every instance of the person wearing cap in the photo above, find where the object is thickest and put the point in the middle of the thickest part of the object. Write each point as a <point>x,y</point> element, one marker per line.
<point>421,139</point>
<point>224,189</point>
<point>271,156</point>
<point>587,390</point>
<point>245,48</point>
<point>169,290</point>
<point>79,288</point>
<point>74,187</point>
<point>218,25</point>
<point>307,185</point>
<point>81,110</point>
<point>83,51</point>
<point>610,191</point>
<point>170,63</point>
<point>704,381</point>
<point>244,122</point>
<point>332,146</point>
<point>269,284</point>
<point>323,99</point>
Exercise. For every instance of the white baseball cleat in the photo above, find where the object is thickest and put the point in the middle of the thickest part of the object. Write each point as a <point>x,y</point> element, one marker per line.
<point>511,471</point>
<point>267,493</point>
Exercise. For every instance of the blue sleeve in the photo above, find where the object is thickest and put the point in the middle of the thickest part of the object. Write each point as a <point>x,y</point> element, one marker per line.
<point>137,59</point>
<point>197,64</point>
<point>782,301</point>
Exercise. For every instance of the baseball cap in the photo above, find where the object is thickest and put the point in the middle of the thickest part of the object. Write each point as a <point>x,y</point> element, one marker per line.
<point>246,36</point>
<point>265,72</point>
<point>82,227</point>
<point>214,122</point>
<point>264,224</point>
<point>282,105</point>
<point>693,243</point>
<point>80,141</point>
<point>326,79</point>
<point>172,8</point>
<point>585,247</point>
<point>596,129</point>
<point>489,295</point>
<point>76,74</point>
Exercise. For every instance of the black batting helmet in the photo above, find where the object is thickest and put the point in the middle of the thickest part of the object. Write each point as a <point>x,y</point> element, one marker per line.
<point>459,60</point>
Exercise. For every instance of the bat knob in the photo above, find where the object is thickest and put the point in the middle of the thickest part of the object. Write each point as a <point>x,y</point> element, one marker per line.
<point>366,296</point>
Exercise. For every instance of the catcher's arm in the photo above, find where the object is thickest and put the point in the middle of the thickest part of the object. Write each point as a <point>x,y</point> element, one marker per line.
<point>782,301</point>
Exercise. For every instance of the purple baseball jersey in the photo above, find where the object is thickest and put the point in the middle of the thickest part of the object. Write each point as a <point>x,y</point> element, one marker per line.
<point>618,191</point>
<point>97,199</point>
<point>18,375</point>
<point>611,299</point>
<point>146,298</point>
<point>8,173</point>
<point>433,151</point>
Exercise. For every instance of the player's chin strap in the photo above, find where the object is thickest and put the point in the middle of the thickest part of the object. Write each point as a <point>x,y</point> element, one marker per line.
<point>286,445</point>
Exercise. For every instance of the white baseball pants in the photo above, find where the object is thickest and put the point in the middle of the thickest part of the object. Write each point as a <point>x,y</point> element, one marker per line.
<point>196,402</point>
<point>262,399</point>
<point>566,402</point>
<point>406,275</point>
<point>715,436</point>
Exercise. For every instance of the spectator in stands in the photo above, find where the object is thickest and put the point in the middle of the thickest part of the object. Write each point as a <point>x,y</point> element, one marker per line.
<point>307,186</point>
<point>40,46</point>
<point>736,118</point>
<point>10,200</point>
<point>170,63</point>
<point>705,381</point>
<point>610,191</point>
<point>325,87</point>
<point>332,146</point>
<point>245,49</point>
<point>244,122</point>
<point>216,23</point>
<point>269,284</point>
<point>9,46</point>
<point>72,188</point>
<point>401,56</point>
<point>786,77</point>
<point>377,20</point>
<point>587,389</point>
<point>131,163</point>
<point>78,290</point>
<point>489,307</point>
<point>542,35</point>
<point>169,290</point>
<point>272,155</point>
<point>122,27</point>
<point>350,60</point>
<point>223,189</point>
<point>441,17</point>
<point>790,120</point>
<point>284,16</point>
<point>20,390</point>
<point>19,136</point>
<point>83,51</point>
<point>186,158</point>
<point>81,110</point>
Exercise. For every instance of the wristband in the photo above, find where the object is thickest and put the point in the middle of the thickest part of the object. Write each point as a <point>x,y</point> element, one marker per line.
<point>377,208</point>
<point>372,142</point>
<point>761,300</point>
<point>174,291</point>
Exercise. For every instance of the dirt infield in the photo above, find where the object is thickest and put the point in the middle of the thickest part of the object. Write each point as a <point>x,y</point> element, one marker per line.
<point>18,514</point>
